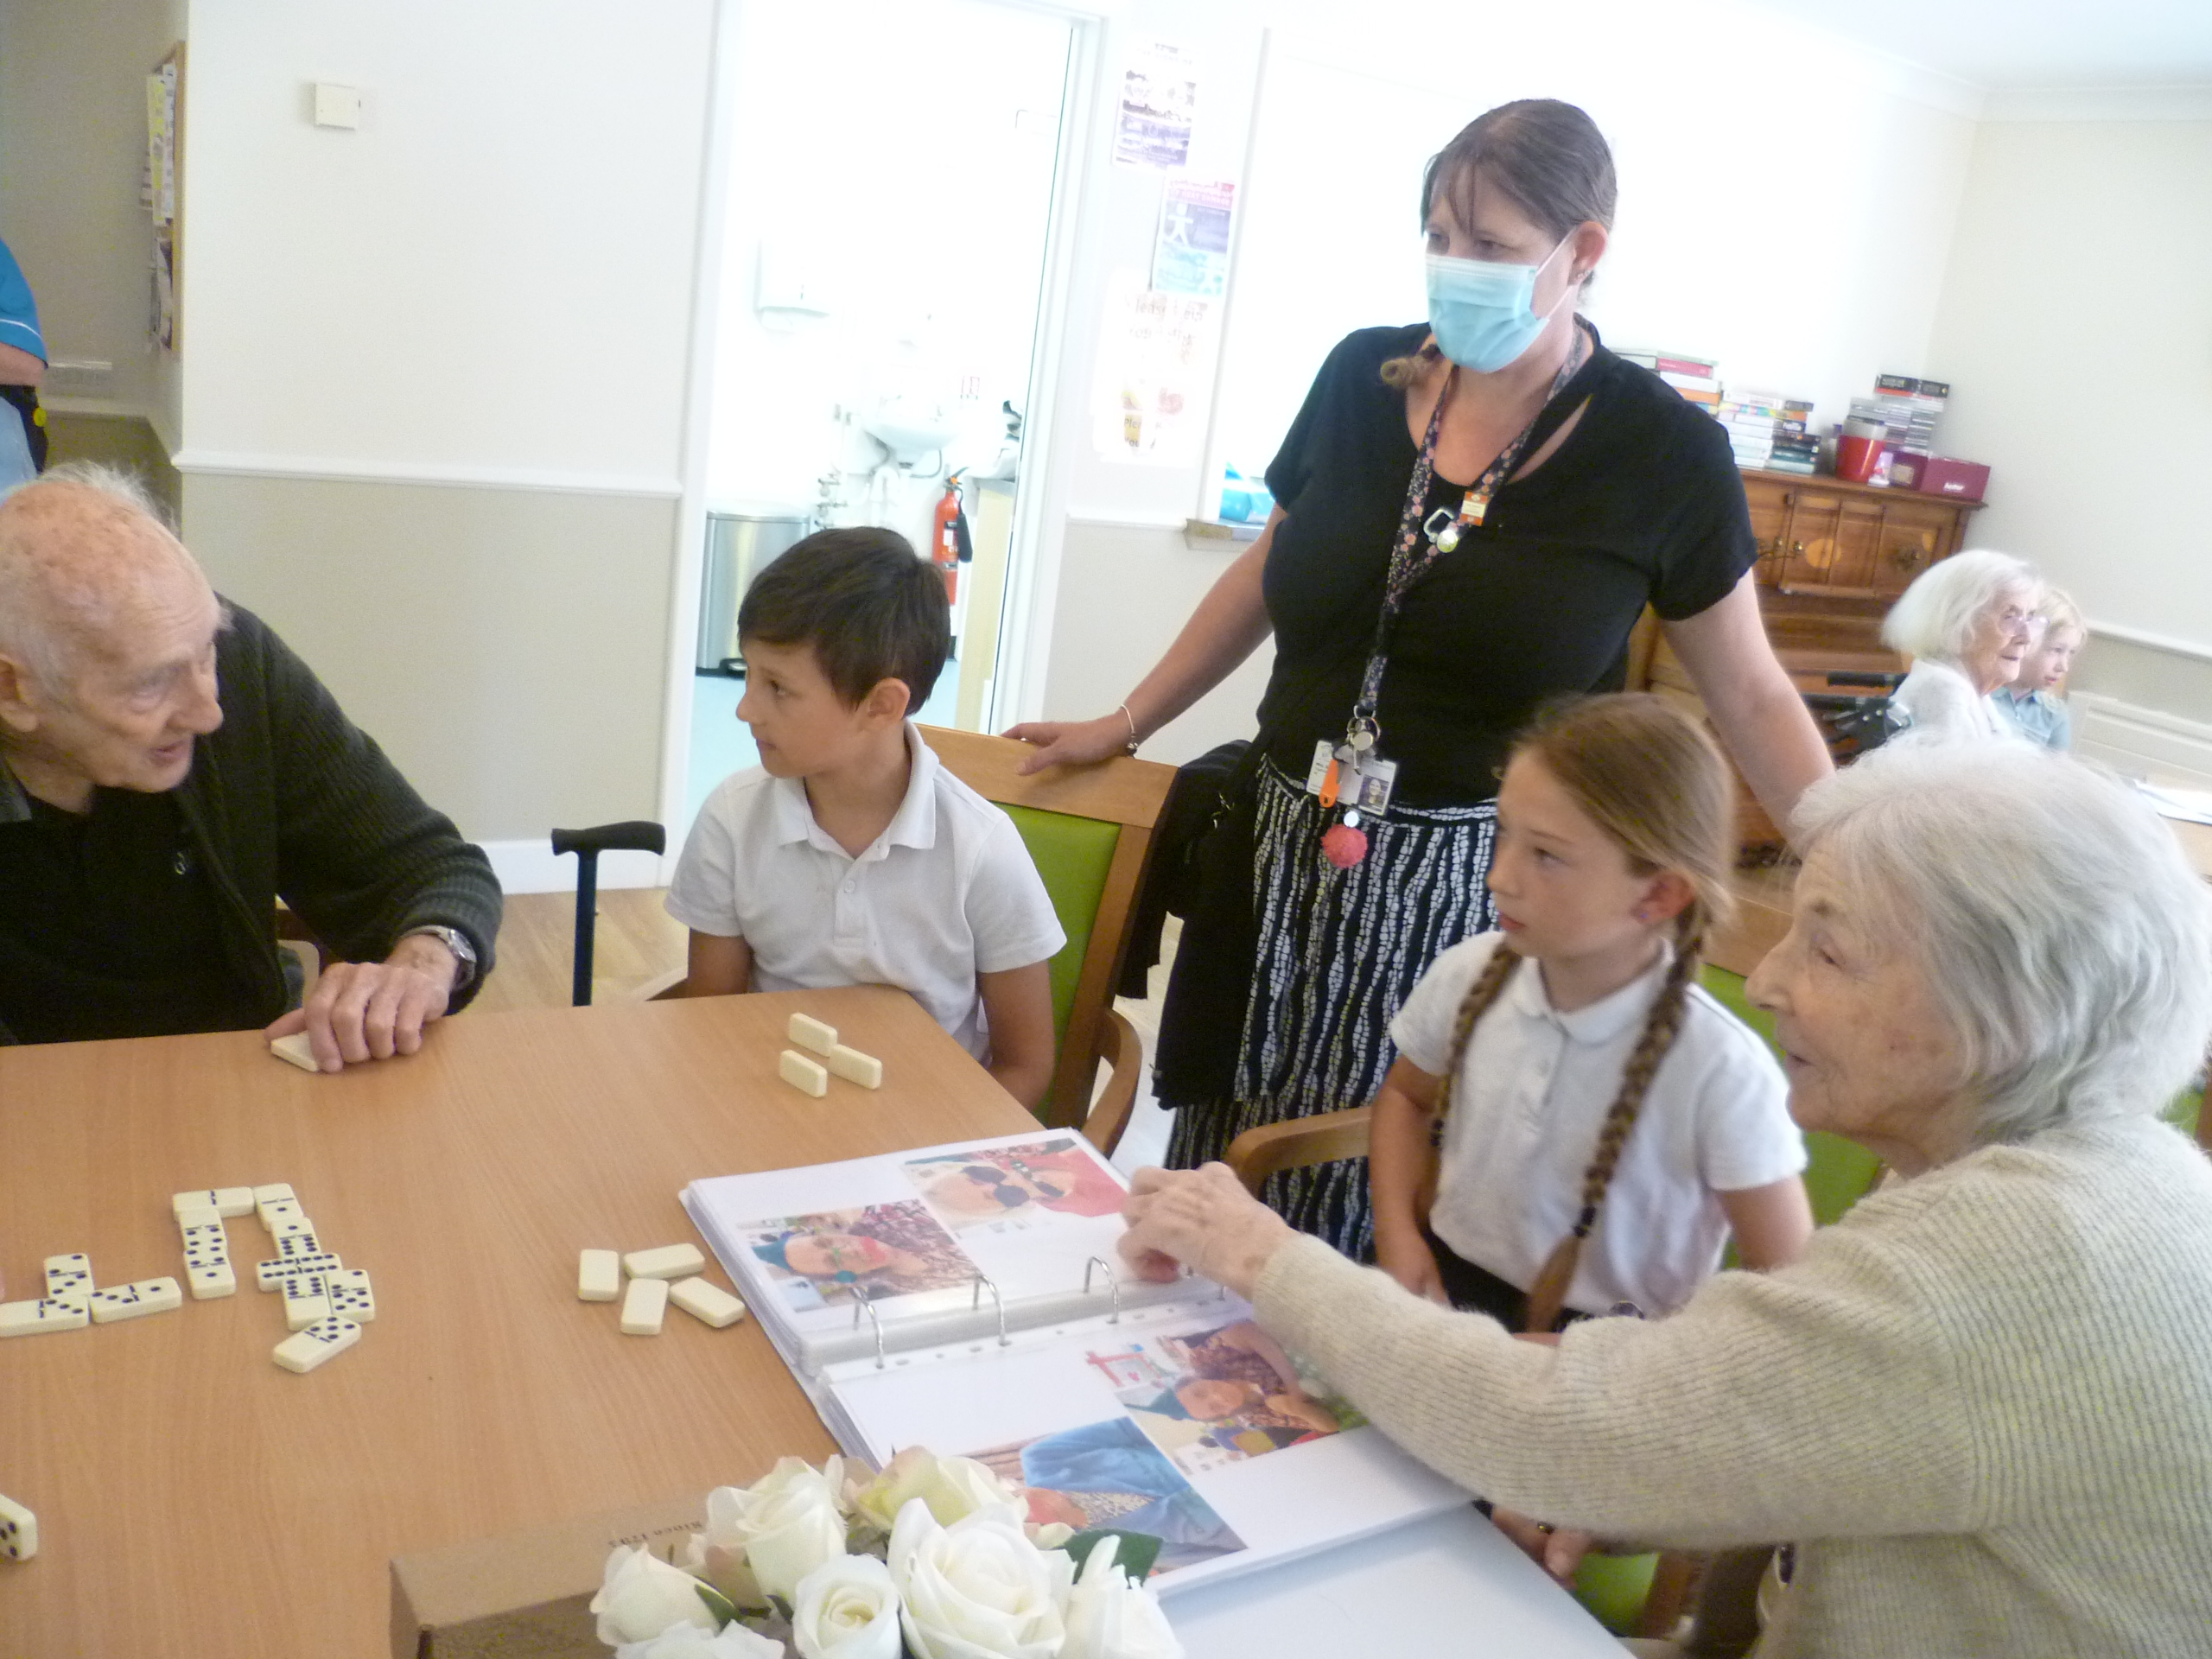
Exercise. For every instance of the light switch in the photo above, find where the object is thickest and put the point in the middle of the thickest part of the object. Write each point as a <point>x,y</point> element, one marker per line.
<point>337,106</point>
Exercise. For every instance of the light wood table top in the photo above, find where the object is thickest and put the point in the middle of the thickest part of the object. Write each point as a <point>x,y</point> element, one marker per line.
<point>194,1498</point>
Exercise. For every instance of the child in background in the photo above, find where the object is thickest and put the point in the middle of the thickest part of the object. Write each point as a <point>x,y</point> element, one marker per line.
<point>849,856</point>
<point>2031,702</point>
<point>1573,1123</point>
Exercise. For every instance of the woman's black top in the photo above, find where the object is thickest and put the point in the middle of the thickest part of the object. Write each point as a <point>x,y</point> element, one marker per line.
<point>1643,503</point>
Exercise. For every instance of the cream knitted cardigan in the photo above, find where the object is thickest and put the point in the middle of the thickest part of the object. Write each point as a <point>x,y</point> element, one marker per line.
<point>1982,1405</point>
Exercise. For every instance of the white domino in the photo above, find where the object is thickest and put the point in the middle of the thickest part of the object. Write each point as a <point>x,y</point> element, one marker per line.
<point>644,1305</point>
<point>37,1318</point>
<point>598,1276</point>
<point>855,1067</point>
<point>708,1303</point>
<point>306,1302</point>
<point>297,1049</point>
<point>351,1297</point>
<point>809,1032</point>
<point>18,1531</point>
<point>270,1275</point>
<point>211,1279</point>
<point>283,1225</point>
<point>270,1191</point>
<point>669,1261</point>
<point>805,1075</point>
<point>292,1246</point>
<point>136,1300</point>
<point>272,1211</point>
<point>324,1339</point>
<point>225,1201</point>
<point>69,1278</point>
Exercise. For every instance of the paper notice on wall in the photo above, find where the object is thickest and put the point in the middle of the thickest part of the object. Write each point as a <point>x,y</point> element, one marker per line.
<point>1159,89</point>
<point>1155,368</point>
<point>1190,253</point>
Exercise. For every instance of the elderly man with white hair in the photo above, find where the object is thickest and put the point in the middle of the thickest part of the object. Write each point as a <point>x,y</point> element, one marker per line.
<point>167,769</point>
<point>1981,1404</point>
<point>1966,622</point>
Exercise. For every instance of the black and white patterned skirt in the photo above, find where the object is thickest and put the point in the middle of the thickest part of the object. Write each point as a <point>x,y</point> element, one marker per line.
<point>1335,953</point>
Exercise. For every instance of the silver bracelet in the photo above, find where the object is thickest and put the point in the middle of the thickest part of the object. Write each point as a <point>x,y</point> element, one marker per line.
<point>1131,745</point>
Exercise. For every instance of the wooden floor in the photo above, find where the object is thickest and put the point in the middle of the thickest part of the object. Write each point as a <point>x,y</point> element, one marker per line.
<point>637,943</point>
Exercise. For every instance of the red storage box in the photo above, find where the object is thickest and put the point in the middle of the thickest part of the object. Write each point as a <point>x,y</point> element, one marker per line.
<point>1964,480</point>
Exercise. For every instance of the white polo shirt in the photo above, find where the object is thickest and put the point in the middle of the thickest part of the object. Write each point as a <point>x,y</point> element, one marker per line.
<point>1532,1092</point>
<point>947,891</point>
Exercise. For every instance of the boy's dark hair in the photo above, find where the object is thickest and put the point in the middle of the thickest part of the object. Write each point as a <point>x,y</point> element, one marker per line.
<point>871,609</point>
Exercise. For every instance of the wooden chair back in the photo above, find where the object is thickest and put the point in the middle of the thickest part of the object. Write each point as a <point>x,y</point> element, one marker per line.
<point>1125,792</point>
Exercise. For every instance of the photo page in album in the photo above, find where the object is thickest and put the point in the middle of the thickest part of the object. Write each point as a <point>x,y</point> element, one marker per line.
<point>970,1299</point>
<point>923,1246</point>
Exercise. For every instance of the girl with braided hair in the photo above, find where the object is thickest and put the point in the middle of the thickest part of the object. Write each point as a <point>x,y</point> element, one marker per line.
<point>1572,1123</point>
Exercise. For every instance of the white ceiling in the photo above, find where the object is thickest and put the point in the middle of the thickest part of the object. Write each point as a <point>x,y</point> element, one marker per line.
<point>2016,44</point>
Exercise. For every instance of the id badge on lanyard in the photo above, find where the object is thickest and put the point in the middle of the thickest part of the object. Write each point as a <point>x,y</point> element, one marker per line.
<point>1353,776</point>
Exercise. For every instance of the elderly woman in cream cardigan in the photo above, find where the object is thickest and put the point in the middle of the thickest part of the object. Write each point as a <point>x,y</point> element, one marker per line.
<point>1981,1405</point>
<point>1968,622</point>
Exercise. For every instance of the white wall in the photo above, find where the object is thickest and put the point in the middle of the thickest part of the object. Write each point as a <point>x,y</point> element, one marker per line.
<point>493,275</point>
<point>2077,329</point>
<point>1740,237</point>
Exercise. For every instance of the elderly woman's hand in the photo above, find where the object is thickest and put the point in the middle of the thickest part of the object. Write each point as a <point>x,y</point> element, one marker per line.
<point>1204,1220</point>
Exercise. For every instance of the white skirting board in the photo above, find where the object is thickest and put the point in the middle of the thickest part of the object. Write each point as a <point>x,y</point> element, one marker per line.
<point>2133,740</point>
<point>530,866</point>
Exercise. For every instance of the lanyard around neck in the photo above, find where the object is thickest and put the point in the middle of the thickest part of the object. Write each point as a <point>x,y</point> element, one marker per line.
<point>1422,539</point>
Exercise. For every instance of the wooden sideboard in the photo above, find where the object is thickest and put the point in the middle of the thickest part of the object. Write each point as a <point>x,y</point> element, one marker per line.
<point>1832,557</point>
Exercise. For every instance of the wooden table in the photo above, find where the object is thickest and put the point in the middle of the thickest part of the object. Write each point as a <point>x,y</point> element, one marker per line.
<point>194,1499</point>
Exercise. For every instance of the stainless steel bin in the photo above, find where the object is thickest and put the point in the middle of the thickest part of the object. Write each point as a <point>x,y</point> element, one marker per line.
<point>740,546</point>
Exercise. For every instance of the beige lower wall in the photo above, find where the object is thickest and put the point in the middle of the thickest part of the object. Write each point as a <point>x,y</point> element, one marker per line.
<point>509,648</point>
<point>1124,593</point>
<point>125,441</point>
<point>2169,682</point>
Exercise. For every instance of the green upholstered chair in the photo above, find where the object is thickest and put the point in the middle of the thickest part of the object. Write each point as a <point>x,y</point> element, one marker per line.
<point>1089,831</point>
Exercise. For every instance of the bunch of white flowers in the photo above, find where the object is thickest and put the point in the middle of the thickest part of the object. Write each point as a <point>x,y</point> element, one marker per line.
<point>931,1559</point>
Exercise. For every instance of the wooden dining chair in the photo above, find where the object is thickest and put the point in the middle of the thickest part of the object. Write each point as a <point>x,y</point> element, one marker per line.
<point>1090,829</point>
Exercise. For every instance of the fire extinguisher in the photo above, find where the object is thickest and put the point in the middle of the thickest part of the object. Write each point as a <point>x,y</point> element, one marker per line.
<point>950,547</point>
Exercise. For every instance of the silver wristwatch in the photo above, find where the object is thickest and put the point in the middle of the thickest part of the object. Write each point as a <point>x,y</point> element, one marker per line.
<point>455,940</point>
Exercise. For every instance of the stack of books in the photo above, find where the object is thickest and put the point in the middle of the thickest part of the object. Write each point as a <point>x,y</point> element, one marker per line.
<point>1749,419</point>
<point>1698,378</point>
<point>1911,409</point>
<point>1796,448</point>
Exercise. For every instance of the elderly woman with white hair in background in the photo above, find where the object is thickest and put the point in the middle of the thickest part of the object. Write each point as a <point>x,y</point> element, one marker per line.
<point>1966,622</point>
<point>1981,1404</point>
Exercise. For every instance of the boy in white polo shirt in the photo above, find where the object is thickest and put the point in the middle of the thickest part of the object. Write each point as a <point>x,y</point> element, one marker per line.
<point>849,856</point>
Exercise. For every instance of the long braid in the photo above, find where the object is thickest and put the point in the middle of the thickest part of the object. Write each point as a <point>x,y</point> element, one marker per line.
<point>1547,1295</point>
<point>1480,994</point>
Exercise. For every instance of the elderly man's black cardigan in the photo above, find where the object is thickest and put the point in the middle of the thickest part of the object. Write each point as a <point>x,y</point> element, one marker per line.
<point>290,797</point>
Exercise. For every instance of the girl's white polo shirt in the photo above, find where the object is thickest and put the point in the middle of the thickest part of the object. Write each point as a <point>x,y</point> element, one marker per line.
<point>1532,1093</point>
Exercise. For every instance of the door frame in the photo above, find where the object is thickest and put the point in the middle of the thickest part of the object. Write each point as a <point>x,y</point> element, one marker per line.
<point>1029,585</point>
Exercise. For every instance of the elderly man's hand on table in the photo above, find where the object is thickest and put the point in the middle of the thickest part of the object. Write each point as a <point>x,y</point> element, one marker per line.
<point>1204,1220</point>
<point>362,1011</point>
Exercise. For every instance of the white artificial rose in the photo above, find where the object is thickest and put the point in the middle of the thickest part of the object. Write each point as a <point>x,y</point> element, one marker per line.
<point>642,1595</point>
<point>788,1523</point>
<point>1110,1616</point>
<point>954,1487</point>
<point>690,1641</point>
<point>977,1589</point>
<point>847,1609</point>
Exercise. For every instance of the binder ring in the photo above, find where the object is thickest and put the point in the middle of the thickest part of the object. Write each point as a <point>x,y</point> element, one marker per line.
<point>1113,1283</point>
<point>862,1305</point>
<point>997,1301</point>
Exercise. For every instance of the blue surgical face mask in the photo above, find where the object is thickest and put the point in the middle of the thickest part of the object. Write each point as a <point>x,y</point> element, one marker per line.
<point>1482,314</point>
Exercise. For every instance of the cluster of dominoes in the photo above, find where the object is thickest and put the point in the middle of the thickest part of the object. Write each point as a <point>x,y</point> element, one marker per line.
<point>813,1077</point>
<point>599,1279</point>
<point>326,1302</point>
<point>71,1303</point>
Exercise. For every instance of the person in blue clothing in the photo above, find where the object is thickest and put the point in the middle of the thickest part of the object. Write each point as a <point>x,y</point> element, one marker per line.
<point>22,366</point>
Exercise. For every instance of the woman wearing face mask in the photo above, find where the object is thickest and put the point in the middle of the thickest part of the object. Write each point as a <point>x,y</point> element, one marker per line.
<point>1472,513</point>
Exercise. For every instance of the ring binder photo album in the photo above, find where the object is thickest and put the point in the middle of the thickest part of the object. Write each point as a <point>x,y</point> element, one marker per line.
<point>969,1299</point>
